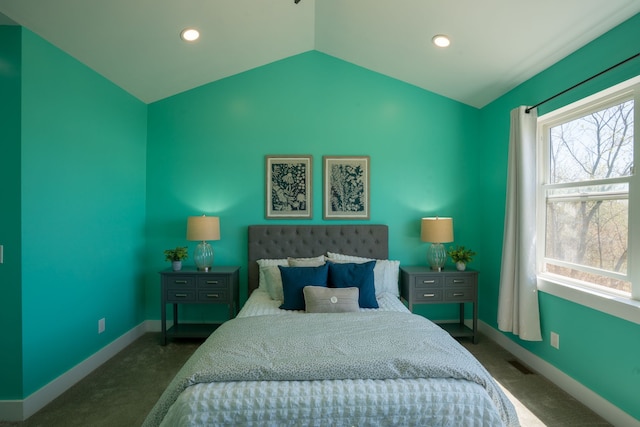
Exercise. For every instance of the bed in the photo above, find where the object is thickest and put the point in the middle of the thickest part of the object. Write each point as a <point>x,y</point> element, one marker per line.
<point>346,358</point>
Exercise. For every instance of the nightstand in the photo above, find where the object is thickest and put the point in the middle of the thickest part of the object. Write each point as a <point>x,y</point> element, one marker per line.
<point>421,285</point>
<point>217,286</point>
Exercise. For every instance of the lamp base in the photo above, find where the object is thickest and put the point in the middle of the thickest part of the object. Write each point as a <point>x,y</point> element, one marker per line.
<point>436,256</point>
<point>203,256</point>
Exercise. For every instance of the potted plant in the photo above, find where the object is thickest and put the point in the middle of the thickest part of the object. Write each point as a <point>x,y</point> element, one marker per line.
<point>176,256</point>
<point>461,256</point>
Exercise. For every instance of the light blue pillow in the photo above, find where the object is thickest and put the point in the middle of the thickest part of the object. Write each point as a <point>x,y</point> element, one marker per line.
<point>294,279</point>
<point>348,275</point>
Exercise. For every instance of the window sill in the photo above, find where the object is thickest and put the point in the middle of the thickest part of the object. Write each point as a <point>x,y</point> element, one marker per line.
<point>617,306</point>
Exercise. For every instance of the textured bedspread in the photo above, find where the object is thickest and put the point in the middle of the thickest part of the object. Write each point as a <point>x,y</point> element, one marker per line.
<point>347,346</point>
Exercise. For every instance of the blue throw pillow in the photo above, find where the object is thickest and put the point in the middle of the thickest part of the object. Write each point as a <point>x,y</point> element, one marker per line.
<point>355,275</point>
<point>294,279</point>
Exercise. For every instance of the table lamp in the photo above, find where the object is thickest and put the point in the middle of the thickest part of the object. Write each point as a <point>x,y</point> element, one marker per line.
<point>436,231</point>
<point>203,228</point>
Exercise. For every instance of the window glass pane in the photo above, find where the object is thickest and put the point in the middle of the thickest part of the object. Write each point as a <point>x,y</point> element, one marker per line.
<point>596,146</point>
<point>591,232</point>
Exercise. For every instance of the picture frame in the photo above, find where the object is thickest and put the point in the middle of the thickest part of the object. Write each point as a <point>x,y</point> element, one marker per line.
<point>288,189</point>
<point>346,187</point>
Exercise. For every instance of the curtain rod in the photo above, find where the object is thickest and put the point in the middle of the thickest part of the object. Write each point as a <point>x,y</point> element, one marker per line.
<point>582,82</point>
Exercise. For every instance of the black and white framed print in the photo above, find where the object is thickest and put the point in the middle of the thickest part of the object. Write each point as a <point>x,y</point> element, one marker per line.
<point>288,187</point>
<point>346,187</point>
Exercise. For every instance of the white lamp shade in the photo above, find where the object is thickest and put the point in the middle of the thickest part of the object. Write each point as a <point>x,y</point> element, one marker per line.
<point>203,228</point>
<point>437,230</point>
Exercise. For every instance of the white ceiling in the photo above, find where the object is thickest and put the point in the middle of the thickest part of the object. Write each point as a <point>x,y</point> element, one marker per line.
<point>496,44</point>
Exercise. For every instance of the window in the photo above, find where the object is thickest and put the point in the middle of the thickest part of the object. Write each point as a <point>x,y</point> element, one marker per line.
<point>588,192</point>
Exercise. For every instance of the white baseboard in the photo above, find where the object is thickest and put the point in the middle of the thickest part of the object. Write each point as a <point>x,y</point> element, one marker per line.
<point>586,396</point>
<point>20,410</point>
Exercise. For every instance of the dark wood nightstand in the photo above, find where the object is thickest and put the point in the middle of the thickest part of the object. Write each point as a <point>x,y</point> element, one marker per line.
<point>218,286</point>
<point>421,285</point>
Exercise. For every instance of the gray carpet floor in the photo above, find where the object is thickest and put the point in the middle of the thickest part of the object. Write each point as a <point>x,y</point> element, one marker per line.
<point>122,391</point>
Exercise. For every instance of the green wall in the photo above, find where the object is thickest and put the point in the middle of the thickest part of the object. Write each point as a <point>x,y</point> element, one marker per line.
<point>10,302</point>
<point>78,161</point>
<point>598,350</point>
<point>206,153</point>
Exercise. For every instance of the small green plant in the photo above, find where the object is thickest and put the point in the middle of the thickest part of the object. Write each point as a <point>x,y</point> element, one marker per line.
<point>461,254</point>
<point>177,254</point>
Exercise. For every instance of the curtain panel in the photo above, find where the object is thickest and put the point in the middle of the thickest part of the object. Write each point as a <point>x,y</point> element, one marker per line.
<point>518,310</point>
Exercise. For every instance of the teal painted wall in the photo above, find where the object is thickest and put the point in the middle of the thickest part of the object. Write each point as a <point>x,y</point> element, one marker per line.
<point>83,180</point>
<point>598,350</point>
<point>207,146</point>
<point>10,271</point>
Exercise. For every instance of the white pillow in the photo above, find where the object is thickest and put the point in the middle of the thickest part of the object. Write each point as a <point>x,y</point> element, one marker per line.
<point>273,280</point>
<point>262,282</point>
<point>307,262</point>
<point>385,273</point>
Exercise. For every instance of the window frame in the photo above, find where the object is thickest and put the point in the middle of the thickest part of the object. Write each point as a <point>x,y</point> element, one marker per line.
<point>616,303</point>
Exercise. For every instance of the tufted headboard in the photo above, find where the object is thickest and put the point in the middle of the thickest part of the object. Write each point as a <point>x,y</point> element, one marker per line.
<point>301,241</point>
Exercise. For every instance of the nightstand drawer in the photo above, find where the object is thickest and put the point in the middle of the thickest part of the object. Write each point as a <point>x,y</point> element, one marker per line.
<point>460,280</point>
<point>459,294</point>
<point>426,281</point>
<point>426,295</point>
<point>181,295</point>
<point>181,281</point>
<point>213,282</point>
<point>213,295</point>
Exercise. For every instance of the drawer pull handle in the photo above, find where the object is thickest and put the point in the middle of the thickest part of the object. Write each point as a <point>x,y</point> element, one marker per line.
<point>428,295</point>
<point>458,294</point>
<point>181,282</point>
<point>429,282</point>
<point>180,295</point>
<point>213,296</point>
<point>212,282</point>
<point>458,280</point>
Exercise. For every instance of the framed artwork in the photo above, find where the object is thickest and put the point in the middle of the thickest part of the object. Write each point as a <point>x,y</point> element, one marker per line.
<point>346,187</point>
<point>288,187</point>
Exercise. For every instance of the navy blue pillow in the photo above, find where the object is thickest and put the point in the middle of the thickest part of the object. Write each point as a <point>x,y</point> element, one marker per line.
<point>355,275</point>
<point>294,279</point>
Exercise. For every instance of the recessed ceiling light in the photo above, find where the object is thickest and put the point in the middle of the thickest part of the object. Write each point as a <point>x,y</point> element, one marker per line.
<point>441,40</point>
<point>189,34</point>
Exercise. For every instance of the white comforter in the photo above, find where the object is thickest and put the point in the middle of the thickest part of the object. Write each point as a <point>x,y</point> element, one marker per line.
<point>373,368</point>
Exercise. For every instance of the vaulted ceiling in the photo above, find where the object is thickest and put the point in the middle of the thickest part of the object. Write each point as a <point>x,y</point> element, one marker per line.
<point>495,44</point>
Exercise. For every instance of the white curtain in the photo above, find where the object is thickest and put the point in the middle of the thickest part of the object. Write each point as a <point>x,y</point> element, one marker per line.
<point>518,310</point>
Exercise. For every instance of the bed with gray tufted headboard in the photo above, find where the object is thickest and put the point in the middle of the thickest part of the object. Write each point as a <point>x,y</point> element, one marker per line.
<point>367,366</point>
<point>298,241</point>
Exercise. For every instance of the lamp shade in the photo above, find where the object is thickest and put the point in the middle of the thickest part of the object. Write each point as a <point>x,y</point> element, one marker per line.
<point>437,230</point>
<point>203,228</point>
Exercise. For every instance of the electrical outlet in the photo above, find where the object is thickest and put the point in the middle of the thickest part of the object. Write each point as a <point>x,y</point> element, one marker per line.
<point>101,325</point>
<point>555,340</point>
